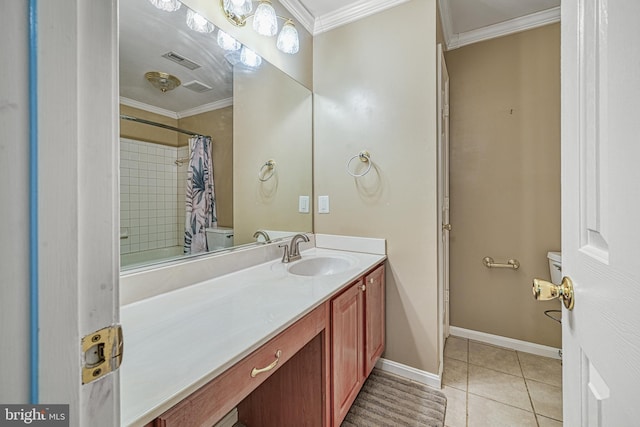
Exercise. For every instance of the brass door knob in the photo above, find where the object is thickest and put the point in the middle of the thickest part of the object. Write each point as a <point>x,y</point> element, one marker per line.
<point>446,227</point>
<point>544,291</point>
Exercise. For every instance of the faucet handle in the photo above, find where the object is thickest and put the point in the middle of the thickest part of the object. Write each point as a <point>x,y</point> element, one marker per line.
<point>285,255</point>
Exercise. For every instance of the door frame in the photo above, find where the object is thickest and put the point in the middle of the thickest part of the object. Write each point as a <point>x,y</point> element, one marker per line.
<point>78,200</point>
<point>443,202</point>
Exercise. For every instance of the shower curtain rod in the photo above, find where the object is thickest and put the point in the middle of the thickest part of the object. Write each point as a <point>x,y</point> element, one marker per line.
<point>149,122</point>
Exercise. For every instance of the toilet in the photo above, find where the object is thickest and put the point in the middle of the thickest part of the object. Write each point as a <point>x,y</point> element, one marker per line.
<point>219,238</point>
<point>555,267</point>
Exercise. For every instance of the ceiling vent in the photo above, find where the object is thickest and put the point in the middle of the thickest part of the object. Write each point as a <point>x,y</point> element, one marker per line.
<point>197,86</point>
<point>179,59</point>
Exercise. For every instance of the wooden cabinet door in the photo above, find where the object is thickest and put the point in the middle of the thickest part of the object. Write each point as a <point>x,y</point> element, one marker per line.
<point>374,296</point>
<point>347,343</point>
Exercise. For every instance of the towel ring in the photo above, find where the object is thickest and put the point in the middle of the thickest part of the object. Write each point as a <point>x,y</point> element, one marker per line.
<point>364,156</point>
<point>269,166</point>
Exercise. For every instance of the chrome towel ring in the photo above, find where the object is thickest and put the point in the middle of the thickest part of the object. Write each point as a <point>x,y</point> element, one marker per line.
<point>365,157</point>
<point>267,170</point>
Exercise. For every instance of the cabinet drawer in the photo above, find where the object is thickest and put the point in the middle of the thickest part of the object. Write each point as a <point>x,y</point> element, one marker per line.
<point>210,403</point>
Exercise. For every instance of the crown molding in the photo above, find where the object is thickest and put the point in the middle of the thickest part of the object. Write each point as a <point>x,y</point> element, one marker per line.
<point>205,108</point>
<point>146,107</point>
<point>351,13</point>
<point>299,12</point>
<point>516,25</point>
<point>446,22</point>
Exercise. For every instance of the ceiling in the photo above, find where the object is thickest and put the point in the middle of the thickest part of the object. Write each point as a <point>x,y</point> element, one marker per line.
<point>147,33</point>
<point>462,19</point>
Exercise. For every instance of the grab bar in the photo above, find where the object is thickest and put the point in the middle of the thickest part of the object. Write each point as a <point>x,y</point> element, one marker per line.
<point>490,263</point>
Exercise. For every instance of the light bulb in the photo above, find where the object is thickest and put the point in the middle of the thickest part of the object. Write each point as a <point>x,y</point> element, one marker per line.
<point>250,58</point>
<point>166,5</point>
<point>238,7</point>
<point>265,21</point>
<point>288,41</point>
<point>242,7</point>
<point>198,23</point>
<point>227,42</point>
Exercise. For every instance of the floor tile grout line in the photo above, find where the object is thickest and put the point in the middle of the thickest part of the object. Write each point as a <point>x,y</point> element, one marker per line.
<point>528,392</point>
<point>520,366</point>
<point>466,415</point>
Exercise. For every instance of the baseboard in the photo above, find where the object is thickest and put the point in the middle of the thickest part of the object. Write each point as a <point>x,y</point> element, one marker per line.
<point>524,346</point>
<point>408,372</point>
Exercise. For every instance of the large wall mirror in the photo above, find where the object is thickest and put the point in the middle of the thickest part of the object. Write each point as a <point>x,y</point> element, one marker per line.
<point>260,124</point>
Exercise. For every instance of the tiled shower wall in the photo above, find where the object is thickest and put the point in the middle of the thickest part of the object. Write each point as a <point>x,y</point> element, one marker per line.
<point>183,153</point>
<point>150,215</point>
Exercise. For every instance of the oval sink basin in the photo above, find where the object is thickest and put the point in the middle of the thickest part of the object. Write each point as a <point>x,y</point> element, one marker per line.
<point>319,266</point>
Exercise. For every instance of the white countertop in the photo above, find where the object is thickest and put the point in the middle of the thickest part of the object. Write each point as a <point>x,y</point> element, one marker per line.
<point>178,341</point>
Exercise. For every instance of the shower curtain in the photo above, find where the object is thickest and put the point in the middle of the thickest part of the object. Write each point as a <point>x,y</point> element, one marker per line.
<point>200,196</point>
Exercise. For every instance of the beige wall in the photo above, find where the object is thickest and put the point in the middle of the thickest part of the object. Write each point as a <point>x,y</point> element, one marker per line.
<point>271,121</point>
<point>143,132</point>
<point>219,125</point>
<point>505,181</point>
<point>371,92</point>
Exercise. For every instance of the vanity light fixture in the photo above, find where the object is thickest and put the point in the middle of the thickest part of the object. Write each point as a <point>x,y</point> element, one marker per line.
<point>250,58</point>
<point>198,23</point>
<point>237,11</point>
<point>265,22</point>
<point>227,42</point>
<point>166,5</point>
<point>162,81</point>
<point>288,41</point>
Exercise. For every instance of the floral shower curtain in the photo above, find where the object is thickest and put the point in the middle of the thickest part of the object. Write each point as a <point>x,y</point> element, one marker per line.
<point>200,196</point>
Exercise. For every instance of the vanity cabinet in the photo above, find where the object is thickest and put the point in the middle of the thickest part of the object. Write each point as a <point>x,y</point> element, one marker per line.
<point>309,374</point>
<point>211,402</point>
<point>357,338</point>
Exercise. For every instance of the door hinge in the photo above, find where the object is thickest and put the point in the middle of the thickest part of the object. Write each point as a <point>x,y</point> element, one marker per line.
<point>446,295</point>
<point>101,353</point>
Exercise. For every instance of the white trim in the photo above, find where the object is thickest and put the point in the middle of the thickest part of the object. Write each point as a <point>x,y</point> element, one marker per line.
<point>523,23</point>
<point>446,22</point>
<point>417,375</point>
<point>147,107</point>
<point>352,12</point>
<point>525,346</point>
<point>299,12</point>
<point>205,108</point>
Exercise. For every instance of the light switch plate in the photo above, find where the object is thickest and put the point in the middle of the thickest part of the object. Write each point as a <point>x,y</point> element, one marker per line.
<point>323,204</point>
<point>303,204</point>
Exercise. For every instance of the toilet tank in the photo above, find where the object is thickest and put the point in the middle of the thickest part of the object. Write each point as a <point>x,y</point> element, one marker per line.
<point>555,267</point>
<point>219,238</point>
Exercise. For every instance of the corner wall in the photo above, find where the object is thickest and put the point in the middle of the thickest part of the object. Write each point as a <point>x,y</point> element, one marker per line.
<point>505,181</point>
<point>375,89</point>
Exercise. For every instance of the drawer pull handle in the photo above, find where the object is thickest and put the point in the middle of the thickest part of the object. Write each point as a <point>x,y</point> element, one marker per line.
<point>255,371</point>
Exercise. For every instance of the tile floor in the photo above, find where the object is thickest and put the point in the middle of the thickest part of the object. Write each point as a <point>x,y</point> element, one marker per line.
<point>494,386</point>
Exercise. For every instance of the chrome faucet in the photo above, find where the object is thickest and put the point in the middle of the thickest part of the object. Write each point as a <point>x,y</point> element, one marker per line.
<point>294,248</point>
<point>262,233</point>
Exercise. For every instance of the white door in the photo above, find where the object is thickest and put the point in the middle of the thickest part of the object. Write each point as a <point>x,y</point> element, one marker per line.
<point>443,198</point>
<point>601,211</point>
<point>77,202</point>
